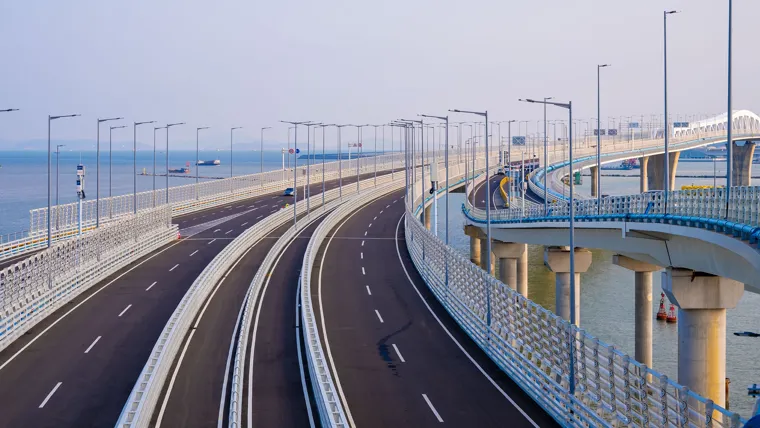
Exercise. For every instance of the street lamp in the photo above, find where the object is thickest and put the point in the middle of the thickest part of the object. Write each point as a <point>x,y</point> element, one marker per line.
<point>340,161</point>
<point>307,186</point>
<point>665,64</point>
<point>323,126</point>
<point>49,224</point>
<point>97,170</point>
<point>569,107</point>
<point>154,162</point>
<point>295,168</point>
<point>488,213</point>
<point>435,185</point>
<point>8,110</point>
<point>509,158</point>
<point>358,148</point>
<point>375,149</point>
<point>730,117</point>
<point>197,159</point>
<point>134,162</point>
<point>167,156</point>
<point>57,179</point>
<point>546,158</point>
<point>110,168</point>
<point>232,185</point>
<point>411,122</point>
<point>261,155</point>
<point>599,139</point>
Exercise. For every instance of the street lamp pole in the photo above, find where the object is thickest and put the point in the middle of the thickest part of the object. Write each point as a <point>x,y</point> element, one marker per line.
<point>97,170</point>
<point>598,138</point>
<point>197,159</point>
<point>446,161</point>
<point>307,189</point>
<point>422,151</point>
<point>154,162</point>
<point>49,179</point>
<point>295,168</point>
<point>375,149</point>
<point>730,114</point>
<point>667,130</point>
<point>509,158</point>
<point>110,168</point>
<point>323,126</point>
<point>57,179</point>
<point>232,185</point>
<point>358,148</point>
<point>261,155</point>
<point>167,157</point>
<point>134,162</point>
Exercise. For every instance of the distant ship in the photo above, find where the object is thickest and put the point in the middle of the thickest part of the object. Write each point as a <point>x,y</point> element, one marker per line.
<point>627,164</point>
<point>184,170</point>
<point>209,162</point>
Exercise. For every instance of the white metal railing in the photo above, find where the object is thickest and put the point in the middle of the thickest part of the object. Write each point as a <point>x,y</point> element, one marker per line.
<point>144,397</point>
<point>35,287</point>
<point>536,349</point>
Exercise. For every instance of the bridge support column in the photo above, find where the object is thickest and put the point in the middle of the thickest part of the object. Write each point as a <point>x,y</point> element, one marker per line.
<point>741,164</point>
<point>702,300</point>
<point>475,235</point>
<point>594,181</point>
<point>656,171</point>
<point>522,272</point>
<point>508,254</point>
<point>644,177</point>
<point>428,209</point>
<point>487,262</point>
<point>642,303</point>
<point>558,260</point>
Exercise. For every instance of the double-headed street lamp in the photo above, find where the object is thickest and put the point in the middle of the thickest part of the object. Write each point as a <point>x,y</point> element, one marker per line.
<point>358,149</point>
<point>261,154</point>
<point>446,162</point>
<point>197,159</point>
<point>411,122</point>
<point>307,186</point>
<point>97,170</point>
<point>134,161</point>
<point>546,158</point>
<point>154,162</point>
<point>730,113</point>
<point>49,210</point>
<point>232,187</point>
<point>667,129</point>
<point>295,168</point>
<point>599,138</point>
<point>167,156</point>
<point>509,158</point>
<point>57,179</point>
<point>340,160</point>
<point>110,168</point>
<point>323,126</point>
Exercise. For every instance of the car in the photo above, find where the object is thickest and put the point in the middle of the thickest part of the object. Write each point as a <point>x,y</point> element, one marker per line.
<point>500,171</point>
<point>288,192</point>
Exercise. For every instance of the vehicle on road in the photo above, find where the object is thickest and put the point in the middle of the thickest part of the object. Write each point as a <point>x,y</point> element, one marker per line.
<point>288,192</point>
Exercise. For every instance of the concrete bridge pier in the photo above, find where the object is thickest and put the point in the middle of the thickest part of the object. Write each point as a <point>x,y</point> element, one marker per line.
<point>594,181</point>
<point>702,300</point>
<point>522,272</point>
<point>426,216</point>
<point>475,235</point>
<point>509,254</point>
<point>558,260</point>
<point>655,171</point>
<point>484,256</point>
<point>643,177</point>
<point>642,304</point>
<point>741,164</point>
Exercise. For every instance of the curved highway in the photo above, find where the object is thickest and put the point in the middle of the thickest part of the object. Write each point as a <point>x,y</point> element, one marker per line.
<point>397,357</point>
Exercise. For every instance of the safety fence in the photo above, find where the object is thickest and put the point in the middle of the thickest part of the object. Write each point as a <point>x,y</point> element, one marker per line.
<point>547,356</point>
<point>35,287</point>
<point>143,400</point>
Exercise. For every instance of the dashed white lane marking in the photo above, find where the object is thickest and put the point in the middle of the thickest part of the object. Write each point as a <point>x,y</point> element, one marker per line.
<point>368,290</point>
<point>370,225</point>
<point>400,357</point>
<point>378,316</point>
<point>435,412</point>
<point>195,218</point>
<point>387,206</point>
<point>259,217</point>
<point>125,309</point>
<point>213,213</point>
<point>365,233</point>
<point>55,388</point>
<point>395,200</point>
<point>264,206</point>
<point>193,253</point>
<point>363,272</point>
<point>374,218</point>
<point>217,230</point>
<point>361,255</point>
<point>381,211</point>
<point>151,286</point>
<point>184,221</point>
<point>240,206</point>
<point>228,232</point>
<point>209,242</point>
<point>203,216</point>
<point>273,212</point>
<point>87,351</point>
<point>175,267</point>
<point>251,206</point>
<point>362,243</point>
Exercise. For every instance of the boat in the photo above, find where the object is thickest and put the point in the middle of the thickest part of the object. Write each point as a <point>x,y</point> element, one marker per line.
<point>625,165</point>
<point>209,162</point>
<point>183,170</point>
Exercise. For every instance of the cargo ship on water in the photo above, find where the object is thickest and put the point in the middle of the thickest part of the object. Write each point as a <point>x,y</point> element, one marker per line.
<point>183,170</point>
<point>214,162</point>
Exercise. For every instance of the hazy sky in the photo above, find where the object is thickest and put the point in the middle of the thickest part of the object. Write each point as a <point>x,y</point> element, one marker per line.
<point>251,63</point>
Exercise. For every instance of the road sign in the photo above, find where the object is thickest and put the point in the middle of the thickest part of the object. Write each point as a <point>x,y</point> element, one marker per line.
<point>298,151</point>
<point>633,124</point>
<point>599,132</point>
<point>518,140</point>
<point>611,131</point>
<point>680,124</point>
<point>291,151</point>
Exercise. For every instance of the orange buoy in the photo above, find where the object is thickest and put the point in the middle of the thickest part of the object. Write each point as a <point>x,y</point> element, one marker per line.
<point>672,314</point>
<point>661,314</point>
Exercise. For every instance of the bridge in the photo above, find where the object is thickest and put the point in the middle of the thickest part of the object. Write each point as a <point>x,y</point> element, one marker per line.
<point>261,315</point>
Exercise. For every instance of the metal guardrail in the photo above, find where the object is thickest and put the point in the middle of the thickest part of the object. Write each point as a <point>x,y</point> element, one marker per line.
<point>35,287</point>
<point>534,346</point>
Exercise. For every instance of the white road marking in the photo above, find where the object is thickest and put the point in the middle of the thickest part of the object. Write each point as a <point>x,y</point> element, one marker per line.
<point>368,290</point>
<point>395,200</point>
<point>387,206</point>
<point>370,225</point>
<point>240,206</point>
<point>55,388</point>
<point>251,206</point>
<point>213,213</point>
<point>175,266</point>
<point>363,272</point>
<point>243,224</point>
<point>228,232</point>
<point>194,218</point>
<point>435,412</point>
<point>125,309</point>
<point>193,253</point>
<point>151,286</point>
<point>365,233</point>
<point>184,221</point>
<point>362,256</point>
<point>209,242</point>
<point>217,230</point>
<point>259,217</point>
<point>362,243</point>
<point>381,211</point>
<point>264,206</point>
<point>87,351</point>
<point>378,316</point>
<point>374,218</point>
<point>400,357</point>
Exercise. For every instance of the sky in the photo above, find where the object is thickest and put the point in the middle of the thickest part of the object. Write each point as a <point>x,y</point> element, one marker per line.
<point>252,63</point>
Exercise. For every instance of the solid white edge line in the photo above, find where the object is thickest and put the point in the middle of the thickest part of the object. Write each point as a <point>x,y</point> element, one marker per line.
<point>87,351</point>
<point>379,317</point>
<point>300,357</point>
<point>435,412</point>
<point>125,309</point>
<point>400,357</point>
<point>368,290</point>
<point>151,286</point>
<point>459,345</point>
<point>50,394</point>
<point>175,267</point>
<point>171,382</point>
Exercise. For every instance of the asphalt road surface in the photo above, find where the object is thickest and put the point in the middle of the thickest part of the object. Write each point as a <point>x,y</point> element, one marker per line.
<point>399,359</point>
